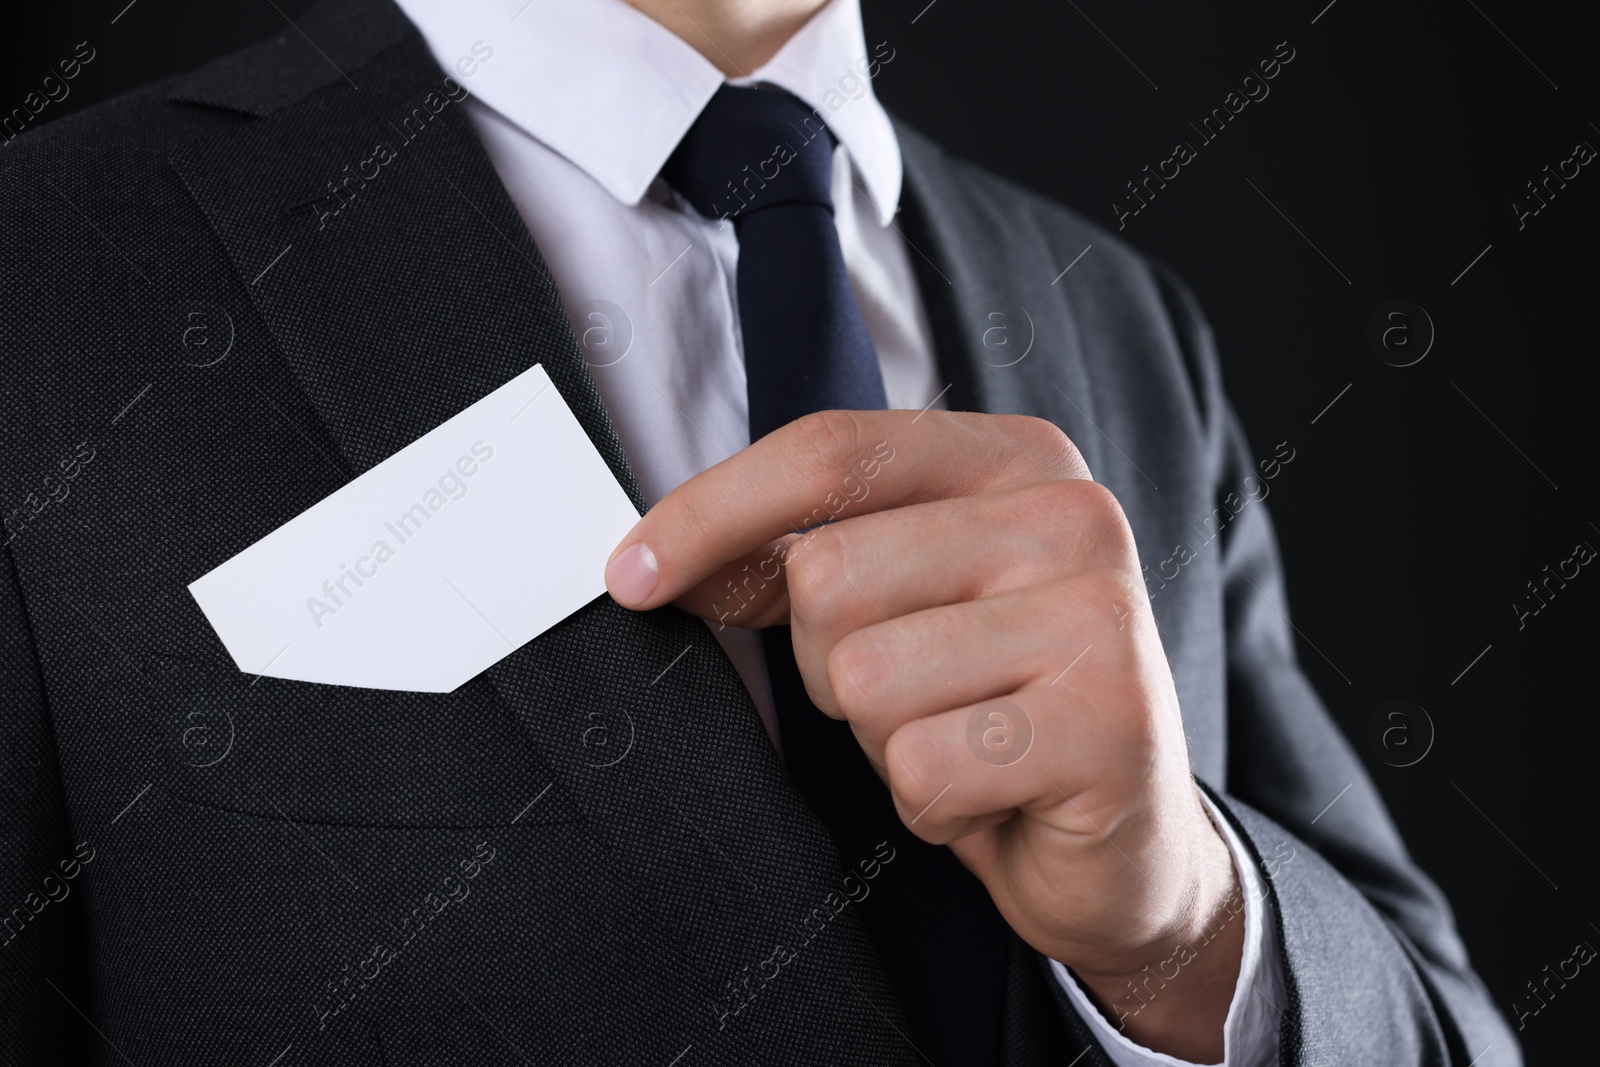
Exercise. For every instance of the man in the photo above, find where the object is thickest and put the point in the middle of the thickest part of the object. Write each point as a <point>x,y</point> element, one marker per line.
<point>945,775</point>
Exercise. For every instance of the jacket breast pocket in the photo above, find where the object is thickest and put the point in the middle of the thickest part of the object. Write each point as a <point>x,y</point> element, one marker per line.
<point>341,756</point>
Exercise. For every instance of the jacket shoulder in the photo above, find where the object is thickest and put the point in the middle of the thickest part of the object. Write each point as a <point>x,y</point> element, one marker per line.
<point>252,82</point>
<point>102,243</point>
<point>1018,214</point>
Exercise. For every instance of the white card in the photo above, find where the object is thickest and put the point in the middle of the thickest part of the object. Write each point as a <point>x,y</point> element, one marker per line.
<point>437,563</point>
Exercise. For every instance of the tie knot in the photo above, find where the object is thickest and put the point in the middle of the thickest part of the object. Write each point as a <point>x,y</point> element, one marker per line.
<point>752,149</point>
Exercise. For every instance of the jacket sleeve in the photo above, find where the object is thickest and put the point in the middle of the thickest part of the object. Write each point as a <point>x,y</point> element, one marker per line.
<point>1374,970</point>
<point>41,927</point>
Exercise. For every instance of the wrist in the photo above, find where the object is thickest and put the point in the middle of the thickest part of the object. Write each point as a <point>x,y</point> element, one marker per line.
<point>1172,994</point>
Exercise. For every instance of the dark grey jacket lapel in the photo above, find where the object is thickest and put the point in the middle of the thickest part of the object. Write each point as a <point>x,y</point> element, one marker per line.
<point>1005,343</point>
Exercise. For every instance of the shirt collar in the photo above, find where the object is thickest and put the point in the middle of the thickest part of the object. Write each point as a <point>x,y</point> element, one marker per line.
<point>614,91</point>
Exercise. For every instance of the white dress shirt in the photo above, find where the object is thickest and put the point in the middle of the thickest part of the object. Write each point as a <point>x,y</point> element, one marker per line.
<point>578,104</point>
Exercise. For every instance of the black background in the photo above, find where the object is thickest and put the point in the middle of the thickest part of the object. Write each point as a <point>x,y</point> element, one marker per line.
<point>1421,502</point>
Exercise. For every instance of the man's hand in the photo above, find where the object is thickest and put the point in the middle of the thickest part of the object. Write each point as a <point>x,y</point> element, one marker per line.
<point>975,610</point>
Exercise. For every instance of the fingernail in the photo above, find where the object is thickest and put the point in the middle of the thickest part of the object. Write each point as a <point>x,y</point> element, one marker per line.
<point>632,575</point>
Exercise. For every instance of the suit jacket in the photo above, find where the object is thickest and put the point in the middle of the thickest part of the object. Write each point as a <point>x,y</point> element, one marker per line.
<point>574,858</point>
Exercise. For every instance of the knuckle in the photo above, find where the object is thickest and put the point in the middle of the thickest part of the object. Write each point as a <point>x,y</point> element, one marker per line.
<point>685,517</point>
<point>1082,519</point>
<point>1139,737</point>
<point>1102,524</point>
<point>817,575</point>
<point>856,667</point>
<point>1104,512</point>
<point>1047,444</point>
<point>825,442</point>
<point>1056,502</point>
<point>912,758</point>
<point>1098,503</point>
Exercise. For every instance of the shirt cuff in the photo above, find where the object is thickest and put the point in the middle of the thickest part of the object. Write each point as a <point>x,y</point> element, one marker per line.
<point>1250,1032</point>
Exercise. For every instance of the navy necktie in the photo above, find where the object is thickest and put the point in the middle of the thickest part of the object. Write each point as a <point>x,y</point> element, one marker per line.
<point>763,160</point>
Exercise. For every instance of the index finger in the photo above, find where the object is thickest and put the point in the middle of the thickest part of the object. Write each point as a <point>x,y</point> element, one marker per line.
<point>819,468</point>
